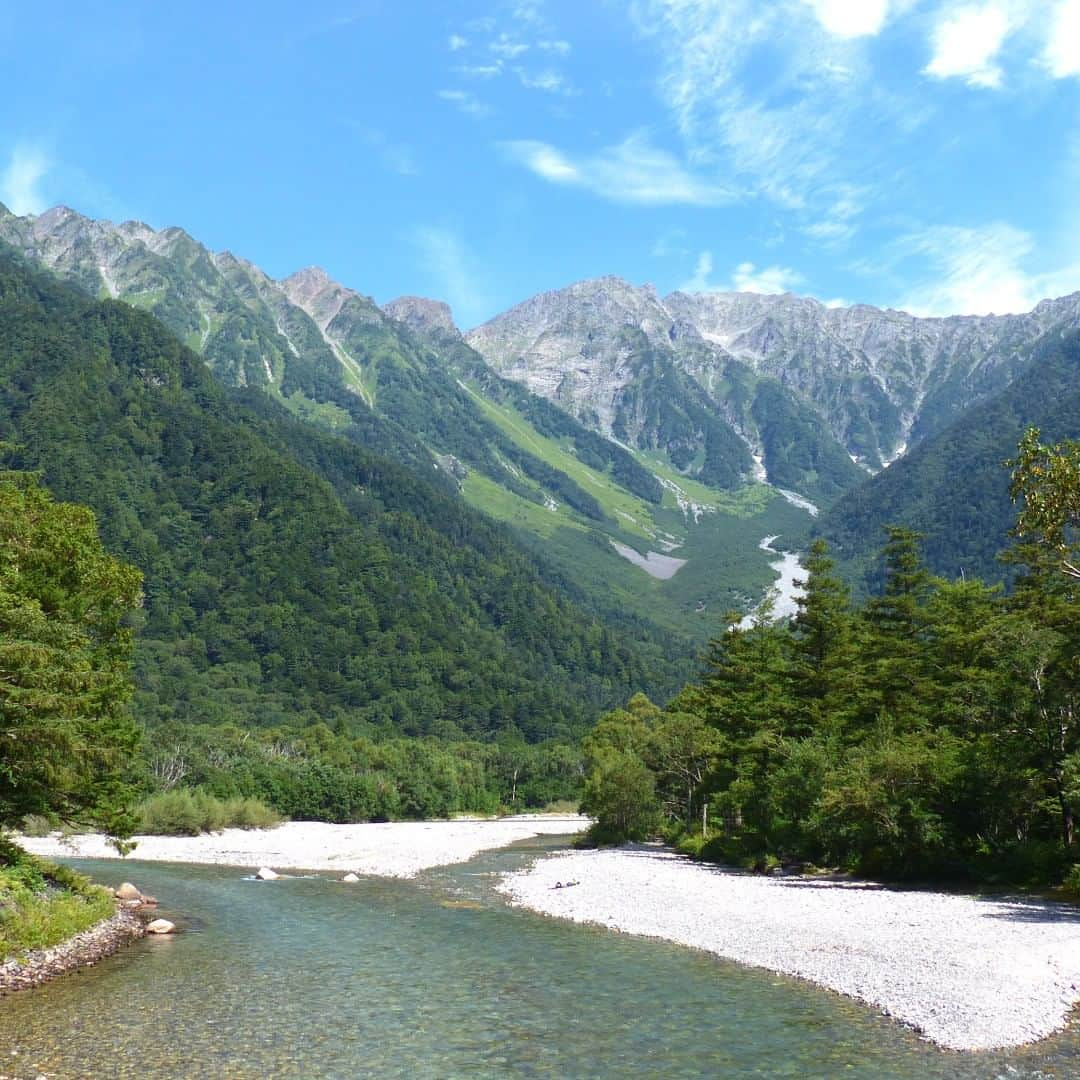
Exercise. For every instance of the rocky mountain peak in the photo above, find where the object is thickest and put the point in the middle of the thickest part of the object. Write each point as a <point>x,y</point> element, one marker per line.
<point>422,315</point>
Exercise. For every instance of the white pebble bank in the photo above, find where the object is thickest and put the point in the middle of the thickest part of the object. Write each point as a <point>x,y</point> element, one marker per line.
<point>398,849</point>
<point>969,973</point>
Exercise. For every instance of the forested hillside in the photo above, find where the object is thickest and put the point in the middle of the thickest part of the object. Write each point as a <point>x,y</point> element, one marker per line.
<point>288,579</point>
<point>952,487</point>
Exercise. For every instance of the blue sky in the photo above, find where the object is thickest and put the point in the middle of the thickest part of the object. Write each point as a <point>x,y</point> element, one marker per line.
<point>911,153</point>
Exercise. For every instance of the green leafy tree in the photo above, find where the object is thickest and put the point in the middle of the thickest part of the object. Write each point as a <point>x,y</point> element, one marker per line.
<point>66,738</point>
<point>1047,478</point>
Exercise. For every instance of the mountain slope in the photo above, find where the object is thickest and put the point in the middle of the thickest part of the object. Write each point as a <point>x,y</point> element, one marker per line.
<point>289,575</point>
<point>953,487</point>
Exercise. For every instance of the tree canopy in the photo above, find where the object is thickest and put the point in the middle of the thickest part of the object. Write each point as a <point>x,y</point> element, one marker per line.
<point>66,736</point>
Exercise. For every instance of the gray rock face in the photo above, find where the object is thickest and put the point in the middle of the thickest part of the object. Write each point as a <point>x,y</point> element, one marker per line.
<point>421,315</point>
<point>879,378</point>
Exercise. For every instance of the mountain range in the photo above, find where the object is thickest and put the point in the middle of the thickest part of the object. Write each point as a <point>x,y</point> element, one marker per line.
<point>639,445</point>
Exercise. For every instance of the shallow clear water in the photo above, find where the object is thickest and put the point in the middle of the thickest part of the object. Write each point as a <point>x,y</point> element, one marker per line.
<point>439,978</point>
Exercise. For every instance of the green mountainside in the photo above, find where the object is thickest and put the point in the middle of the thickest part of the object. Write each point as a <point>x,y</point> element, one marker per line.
<point>952,487</point>
<point>385,381</point>
<point>291,576</point>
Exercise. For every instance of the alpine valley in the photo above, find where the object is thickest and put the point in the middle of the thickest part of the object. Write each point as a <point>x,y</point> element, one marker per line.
<point>641,446</point>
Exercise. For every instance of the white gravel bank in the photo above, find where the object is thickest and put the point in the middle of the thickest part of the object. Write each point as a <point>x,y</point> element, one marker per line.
<point>398,849</point>
<point>970,974</point>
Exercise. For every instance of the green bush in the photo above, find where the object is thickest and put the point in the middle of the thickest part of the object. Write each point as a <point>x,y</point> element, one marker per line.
<point>183,812</point>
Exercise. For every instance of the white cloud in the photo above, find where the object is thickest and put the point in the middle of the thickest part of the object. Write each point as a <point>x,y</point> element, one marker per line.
<point>466,102</point>
<point>633,171</point>
<point>452,271</point>
<point>703,269</point>
<point>559,47</point>
<point>456,42</point>
<point>20,182</point>
<point>769,279</point>
<point>746,277</point>
<point>851,18</point>
<point>979,271</point>
<point>1061,56</point>
<point>966,42</point>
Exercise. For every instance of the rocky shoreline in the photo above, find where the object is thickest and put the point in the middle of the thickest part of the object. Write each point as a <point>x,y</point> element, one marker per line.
<point>967,972</point>
<point>85,948</point>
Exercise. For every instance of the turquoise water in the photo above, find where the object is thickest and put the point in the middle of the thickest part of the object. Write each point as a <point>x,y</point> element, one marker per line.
<point>439,978</point>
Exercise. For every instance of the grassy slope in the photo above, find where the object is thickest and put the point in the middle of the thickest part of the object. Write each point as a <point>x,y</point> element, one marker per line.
<point>42,904</point>
<point>724,568</point>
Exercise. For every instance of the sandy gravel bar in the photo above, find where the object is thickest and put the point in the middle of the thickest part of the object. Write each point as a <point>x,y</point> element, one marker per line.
<point>968,973</point>
<point>398,849</point>
<point>87,947</point>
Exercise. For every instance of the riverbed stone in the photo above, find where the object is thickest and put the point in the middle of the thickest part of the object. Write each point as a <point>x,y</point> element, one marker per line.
<point>266,874</point>
<point>127,891</point>
<point>161,926</point>
<point>350,878</point>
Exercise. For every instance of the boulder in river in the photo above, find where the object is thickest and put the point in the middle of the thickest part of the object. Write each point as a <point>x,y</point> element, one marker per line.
<point>161,926</point>
<point>127,891</point>
<point>266,874</point>
<point>350,878</point>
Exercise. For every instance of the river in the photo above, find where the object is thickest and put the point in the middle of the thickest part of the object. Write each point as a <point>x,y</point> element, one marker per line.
<point>438,977</point>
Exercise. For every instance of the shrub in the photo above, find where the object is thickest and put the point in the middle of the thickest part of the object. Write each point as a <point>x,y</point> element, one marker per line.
<point>183,812</point>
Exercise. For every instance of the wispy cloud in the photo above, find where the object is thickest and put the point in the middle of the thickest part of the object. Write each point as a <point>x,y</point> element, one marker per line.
<point>977,271</point>
<point>480,71</point>
<point>507,47</point>
<point>465,101</point>
<point>633,171</point>
<point>452,272</point>
<point>746,277</point>
<point>397,157</point>
<point>550,81</point>
<point>456,42</point>
<point>20,182</point>
<point>670,242</point>
<point>806,132</point>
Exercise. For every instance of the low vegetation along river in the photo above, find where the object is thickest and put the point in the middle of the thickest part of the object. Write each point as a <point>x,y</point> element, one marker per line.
<point>438,977</point>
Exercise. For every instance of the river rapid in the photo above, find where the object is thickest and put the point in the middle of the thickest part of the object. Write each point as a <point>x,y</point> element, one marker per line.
<point>439,977</point>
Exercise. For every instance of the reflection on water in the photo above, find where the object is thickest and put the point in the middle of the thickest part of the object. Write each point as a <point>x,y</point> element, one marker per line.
<point>438,978</point>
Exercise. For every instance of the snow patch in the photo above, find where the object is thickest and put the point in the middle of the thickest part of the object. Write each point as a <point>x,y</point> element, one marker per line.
<point>655,565</point>
<point>798,500</point>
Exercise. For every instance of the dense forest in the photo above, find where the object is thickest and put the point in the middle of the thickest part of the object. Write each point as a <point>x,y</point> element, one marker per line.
<point>933,731</point>
<point>312,614</point>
